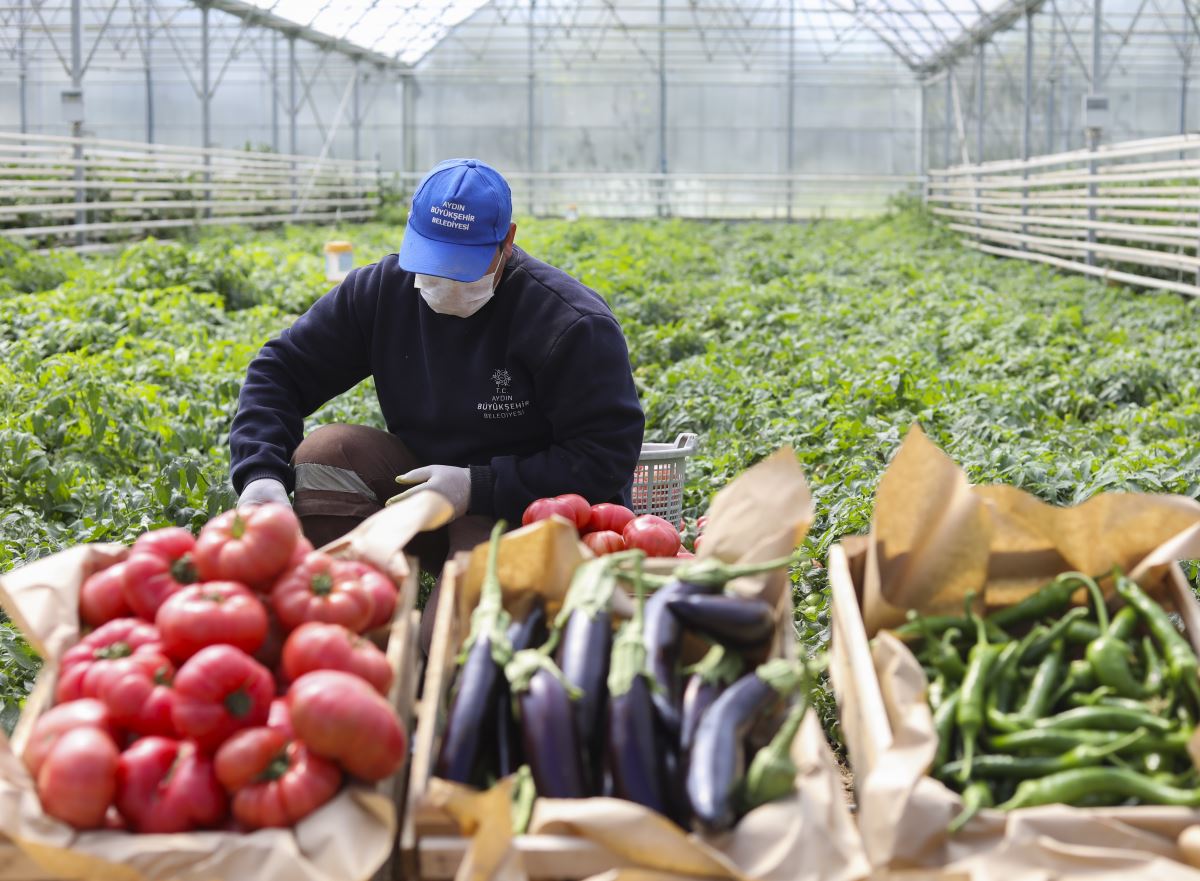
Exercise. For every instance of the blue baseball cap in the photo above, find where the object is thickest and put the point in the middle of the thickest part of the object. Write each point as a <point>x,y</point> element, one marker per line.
<point>460,212</point>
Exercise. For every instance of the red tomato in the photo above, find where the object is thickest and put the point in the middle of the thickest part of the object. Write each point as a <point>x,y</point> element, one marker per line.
<point>340,717</point>
<point>316,646</point>
<point>166,785</point>
<point>302,549</point>
<point>606,542</point>
<point>607,516</point>
<point>382,590</point>
<point>88,663</point>
<point>211,613</point>
<point>323,589</point>
<point>652,534</point>
<point>581,511</point>
<point>137,692</point>
<point>102,596</point>
<point>542,509</point>
<point>159,564</point>
<point>218,691</point>
<point>275,781</point>
<point>58,720</point>
<point>280,718</point>
<point>247,545</point>
<point>77,779</point>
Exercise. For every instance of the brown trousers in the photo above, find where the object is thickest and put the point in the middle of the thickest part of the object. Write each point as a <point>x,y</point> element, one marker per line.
<point>346,473</point>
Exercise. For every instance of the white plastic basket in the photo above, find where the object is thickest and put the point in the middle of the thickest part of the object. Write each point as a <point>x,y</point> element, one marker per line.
<point>659,478</point>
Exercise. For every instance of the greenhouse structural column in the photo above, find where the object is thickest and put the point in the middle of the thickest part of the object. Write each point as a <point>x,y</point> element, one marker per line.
<point>1052,78</point>
<point>920,137</point>
<point>1027,120</point>
<point>23,67</point>
<point>77,120</point>
<point>790,141</point>
<point>1186,57</point>
<point>529,98</point>
<point>356,121</point>
<point>949,110</point>
<point>292,112</point>
<point>205,107</point>
<point>408,123</point>
<point>148,70</point>
<point>662,107</point>
<point>275,91</point>
<point>1093,132</point>
<point>980,89</point>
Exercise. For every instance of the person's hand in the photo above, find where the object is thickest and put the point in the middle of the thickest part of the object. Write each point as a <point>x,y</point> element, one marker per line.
<point>263,490</point>
<point>450,481</point>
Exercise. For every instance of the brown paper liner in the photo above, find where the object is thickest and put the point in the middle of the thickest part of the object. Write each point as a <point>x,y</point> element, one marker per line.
<point>345,840</point>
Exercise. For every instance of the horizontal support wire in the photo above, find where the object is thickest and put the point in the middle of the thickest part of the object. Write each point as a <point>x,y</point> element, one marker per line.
<point>1144,230</point>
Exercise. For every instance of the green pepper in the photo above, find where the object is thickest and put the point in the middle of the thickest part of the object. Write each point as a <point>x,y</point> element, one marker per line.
<point>1102,717</point>
<point>943,722</point>
<point>1045,681</point>
<point>1004,676</point>
<point>1082,632</point>
<point>1080,677</point>
<point>1056,740</point>
<point>940,653</point>
<point>976,797</point>
<point>1182,666</point>
<point>1038,648</point>
<point>1152,661</point>
<point>1068,787</point>
<point>971,703</point>
<point>1110,657</point>
<point>1049,600</point>
<point>1081,755</point>
<point>939,624</point>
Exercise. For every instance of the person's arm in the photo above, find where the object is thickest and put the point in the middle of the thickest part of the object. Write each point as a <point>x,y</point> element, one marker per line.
<point>586,390</point>
<point>326,352</point>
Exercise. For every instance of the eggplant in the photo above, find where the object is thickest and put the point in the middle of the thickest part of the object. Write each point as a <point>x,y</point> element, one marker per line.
<point>715,672</point>
<point>472,710</point>
<point>634,757</point>
<point>734,621</point>
<point>772,772</point>
<point>584,656</point>
<point>471,714</point>
<point>521,635</point>
<point>548,731</point>
<point>662,637</point>
<point>717,762</point>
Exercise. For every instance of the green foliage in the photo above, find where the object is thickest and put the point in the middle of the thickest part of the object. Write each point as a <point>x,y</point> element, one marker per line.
<point>120,375</point>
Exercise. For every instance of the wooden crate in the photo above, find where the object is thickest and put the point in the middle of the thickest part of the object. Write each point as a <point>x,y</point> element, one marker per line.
<point>430,842</point>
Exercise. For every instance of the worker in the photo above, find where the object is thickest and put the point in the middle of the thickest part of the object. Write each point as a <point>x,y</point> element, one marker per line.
<point>500,378</point>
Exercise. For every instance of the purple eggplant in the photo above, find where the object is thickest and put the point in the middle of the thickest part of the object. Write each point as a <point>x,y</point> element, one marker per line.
<point>521,635</point>
<point>548,731</point>
<point>473,708</point>
<point>636,759</point>
<point>663,636</point>
<point>710,677</point>
<point>734,621</point>
<point>717,762</point>
<point>584,656</point>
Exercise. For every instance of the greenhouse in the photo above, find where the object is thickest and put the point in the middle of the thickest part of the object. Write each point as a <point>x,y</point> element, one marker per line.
<point>599,440</point>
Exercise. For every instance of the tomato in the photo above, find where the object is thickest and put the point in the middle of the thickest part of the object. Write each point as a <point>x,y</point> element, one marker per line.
<point>652,534</point>
<point>279,717</point>
<point>211,613</point>
<point>159,564</point>
<point>541,509</point>
<point>382,591</point>
<point>341,717</point>
<point>316,646</point>
<point>77,778</point>
<point>274,780</point>
<point>606,542</point>
<point>606,516</point>
<point>87,665</point>
<point>58,720</point>
<point>323,589</point>
<point>218,691</point>
<point>102,596</point>
<point>581,510</point>
<point>248,545</point>
<point>137,692</point>
<point>166,785</point>
<point>302,549</point>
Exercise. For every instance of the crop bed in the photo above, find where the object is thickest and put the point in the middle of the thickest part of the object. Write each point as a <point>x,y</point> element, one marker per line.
<point>119,375</point>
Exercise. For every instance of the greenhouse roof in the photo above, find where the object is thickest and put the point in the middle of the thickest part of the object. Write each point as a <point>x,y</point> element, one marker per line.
<point>924,34</point>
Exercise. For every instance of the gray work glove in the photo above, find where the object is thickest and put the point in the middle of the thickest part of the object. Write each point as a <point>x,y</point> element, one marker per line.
<point>448,480</point>
<point>265,489</point>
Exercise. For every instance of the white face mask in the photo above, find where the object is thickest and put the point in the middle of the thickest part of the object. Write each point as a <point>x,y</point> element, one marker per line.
<point>460,298</point>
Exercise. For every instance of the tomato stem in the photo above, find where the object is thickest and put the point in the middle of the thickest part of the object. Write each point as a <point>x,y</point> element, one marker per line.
<point>321,584</point>
<point>184,571</point>
<point>276,768</point>
<point>238,527</point>
<point>238,703</point>
<point>113,651</point>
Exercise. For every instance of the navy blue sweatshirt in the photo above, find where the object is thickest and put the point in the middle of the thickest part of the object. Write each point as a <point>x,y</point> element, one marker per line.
<point>534,392</point>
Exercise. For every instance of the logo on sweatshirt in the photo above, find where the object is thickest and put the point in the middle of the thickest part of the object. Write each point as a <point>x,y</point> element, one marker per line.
<point>503,404</point>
